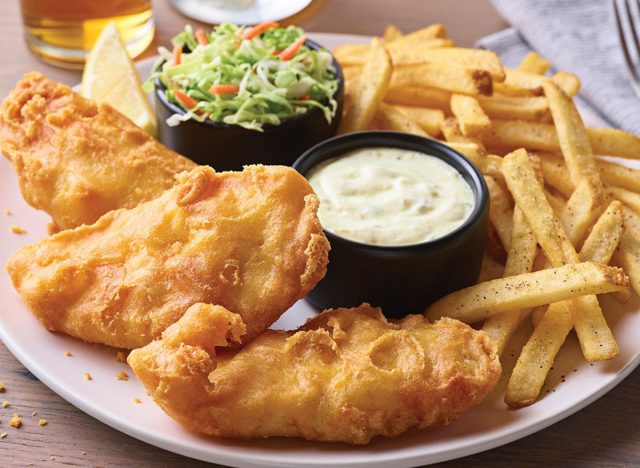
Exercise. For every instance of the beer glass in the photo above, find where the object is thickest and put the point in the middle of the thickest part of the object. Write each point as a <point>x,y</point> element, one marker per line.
<point>62,32</point>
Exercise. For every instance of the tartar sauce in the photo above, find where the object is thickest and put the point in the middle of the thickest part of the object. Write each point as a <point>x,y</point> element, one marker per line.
<point>390,196</point>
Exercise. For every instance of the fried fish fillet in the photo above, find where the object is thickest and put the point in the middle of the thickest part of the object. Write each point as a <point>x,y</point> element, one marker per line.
<point>250,241</point>
<point>76,159</point>
<point>347,375</point>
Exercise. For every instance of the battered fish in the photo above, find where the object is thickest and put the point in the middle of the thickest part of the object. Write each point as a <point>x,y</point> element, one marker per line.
<point>76,159</point>
<point>347,375</point>
<point>250,241</point>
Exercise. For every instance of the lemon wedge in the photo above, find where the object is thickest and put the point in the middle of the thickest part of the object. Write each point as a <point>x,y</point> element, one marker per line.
<point>111,77</point>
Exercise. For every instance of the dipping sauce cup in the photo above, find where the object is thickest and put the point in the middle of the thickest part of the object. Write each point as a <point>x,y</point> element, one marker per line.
<point>406,278</point>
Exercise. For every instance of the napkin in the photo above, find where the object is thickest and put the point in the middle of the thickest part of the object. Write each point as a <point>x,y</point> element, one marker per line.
<point>579,36</point>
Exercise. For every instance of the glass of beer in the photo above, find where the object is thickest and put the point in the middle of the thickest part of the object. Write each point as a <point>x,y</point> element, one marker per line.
<point>62,32</point>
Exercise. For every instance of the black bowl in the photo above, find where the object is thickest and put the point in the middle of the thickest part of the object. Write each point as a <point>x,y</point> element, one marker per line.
<point>230,147</point>
<point>401,279</point>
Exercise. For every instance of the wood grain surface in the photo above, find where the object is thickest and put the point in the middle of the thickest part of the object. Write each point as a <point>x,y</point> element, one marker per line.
<point>605,433</point>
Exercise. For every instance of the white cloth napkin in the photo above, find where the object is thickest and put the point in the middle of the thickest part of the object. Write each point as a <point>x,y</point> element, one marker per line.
<point>579,36</point>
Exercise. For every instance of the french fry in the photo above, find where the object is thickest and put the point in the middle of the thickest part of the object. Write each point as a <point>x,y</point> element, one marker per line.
<point>491,166</point>
<point>537,312</point>
<point>619,176</point>
<point>631,221</point>
<point>514,134</point>
<point>433,31</point>
<point>550,332</point>
<point>534,63</point>
<point>613,142</point>
<point>603,239</point>
<point>355,55</point>
<point>583,208</point>
<point>630,199</point>
<point>509,107</point>
<point>476,154</point>
<point>628,253</point>
<point>391,33</point>
<point>522,181</point>
<point>520,259</point>
<point>445,77</point>
<point>521,83</point>
<point>538,354</point>
<point>535,136</point>
<point>596,339</point>
<point>419,96</point>
<point>370,92</point>
<point>557,203</point>
<point>500,212</point>
<point>572,134</point>
<point>451,131</point>
<point>553,326</point>
<point>470,59</point>
<point>567,82</point>
<point>527,290</point>
<point>471,118</point>
<point>389,118</point>
<point>351,75</point>
<point>555,174</point>
<point>428,119</point>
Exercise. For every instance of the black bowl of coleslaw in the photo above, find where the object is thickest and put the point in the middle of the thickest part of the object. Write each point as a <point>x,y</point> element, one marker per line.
<point>230,146</point>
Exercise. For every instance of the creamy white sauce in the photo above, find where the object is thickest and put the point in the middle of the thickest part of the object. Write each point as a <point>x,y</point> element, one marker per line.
<point>390,196</point>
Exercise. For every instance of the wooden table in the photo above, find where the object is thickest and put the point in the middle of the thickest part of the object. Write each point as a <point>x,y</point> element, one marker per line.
<point>603,434</point>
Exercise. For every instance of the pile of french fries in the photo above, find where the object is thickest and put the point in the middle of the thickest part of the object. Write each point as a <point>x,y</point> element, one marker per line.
<point>564,223</point>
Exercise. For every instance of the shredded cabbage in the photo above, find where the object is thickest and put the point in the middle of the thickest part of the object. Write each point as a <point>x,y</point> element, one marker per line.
<point>270,89</point>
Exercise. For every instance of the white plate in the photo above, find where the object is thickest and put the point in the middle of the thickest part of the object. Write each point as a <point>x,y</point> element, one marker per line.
<point>572,384</point>
<point>239,11</point>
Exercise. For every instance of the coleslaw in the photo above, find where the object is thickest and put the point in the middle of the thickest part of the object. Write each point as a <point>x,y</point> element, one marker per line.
<point>245,76</point>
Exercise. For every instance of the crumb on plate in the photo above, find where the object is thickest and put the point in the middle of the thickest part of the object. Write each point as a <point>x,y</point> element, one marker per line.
<point>34,413</point>
<point>87,376</point>
<point>137,401</point>
<point>121,356</point>
<point>15,421</point>
<point>5,404</point>
<point>8,212</point>
<point>68,353</point>
<point>3,435</point>
<point>42,422</point>
<point>122,376</point>
<point>2,389</point>
<point>18,230</point>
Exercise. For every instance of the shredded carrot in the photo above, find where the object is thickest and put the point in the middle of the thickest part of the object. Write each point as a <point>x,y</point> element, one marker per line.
<point>177,55</point>
<point>201,36</point>
<point>259,29</point>
<point>224,89</point>
<point>185,99</point>
<point>292,50</point>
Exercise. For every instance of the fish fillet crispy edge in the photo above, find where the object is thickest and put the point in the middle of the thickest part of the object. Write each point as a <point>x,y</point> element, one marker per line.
<point>250,241</point>
<point>77,159</point>
<point>347,375</point>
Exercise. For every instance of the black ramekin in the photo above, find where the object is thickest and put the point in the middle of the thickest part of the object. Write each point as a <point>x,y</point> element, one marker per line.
<point>230,147</point>
<point>401,279</point>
